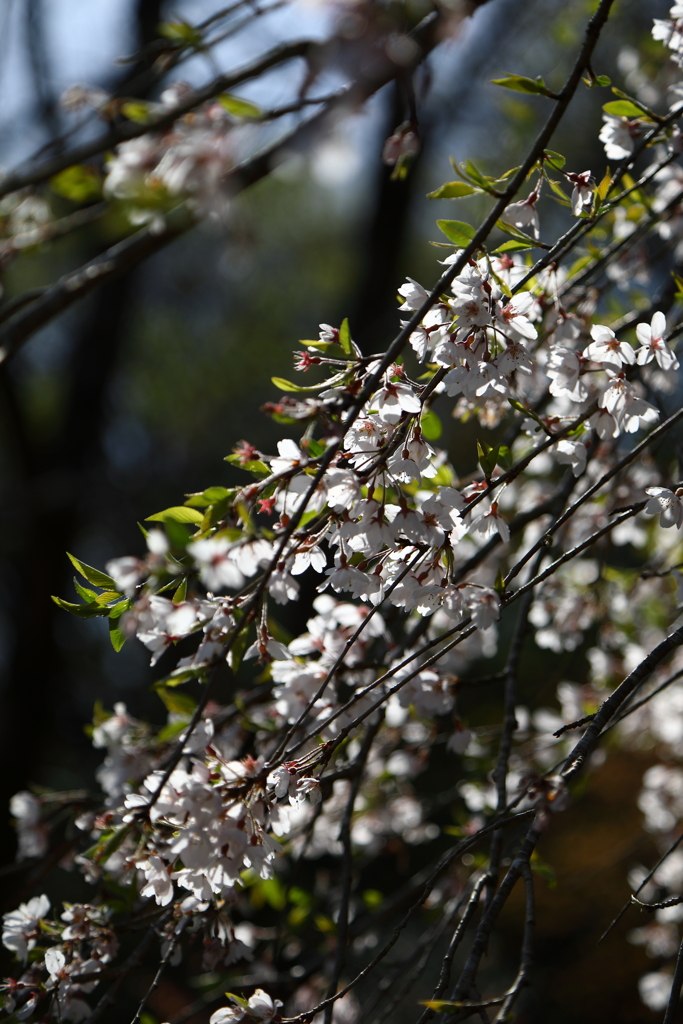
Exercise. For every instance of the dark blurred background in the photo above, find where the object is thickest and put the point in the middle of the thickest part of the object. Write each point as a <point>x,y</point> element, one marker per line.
<point>133,398</point>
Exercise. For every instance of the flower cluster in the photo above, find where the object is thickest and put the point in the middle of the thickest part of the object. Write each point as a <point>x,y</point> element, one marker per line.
<point>404,570</point>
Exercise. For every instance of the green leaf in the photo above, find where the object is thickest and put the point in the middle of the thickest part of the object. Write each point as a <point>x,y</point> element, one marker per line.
<point>95,576</point>
<point>177,534</point>
<point>83,611</point>
<point>180,32</point>
<point>475,175</point>
<point>176,678</point>
<point>116,634</point>
<point>238,999</point>
<point>556,159</point>
<point>520,236</point>
<point>170,732</point>
<point>558,190</point>
<point>345,336</point>
<point>431,425</point>
<point>210,495</point>
<point>372,898</point>
<point>520,83</point>
<point>239,107</point>
<point>299,897</point>
<point>88,595</point>
<point>176,701</point>
<point>215,513</point>
<point>252,465</point>
<point>181,592</point>
<point>117,610</point>
<point>77,183</point>
<point>177,514</point>
<point>487,458</point>
<point>104,851</point>
<point>602,80</point>
<point>512,246</point>
<point>457,231</point>
<point>286,385</point>
<point>274,892</point>
<point>504,457</point>
<point>443,1005</point>
<point>604,186</point>
<point>623,108</point>
<point>313,448</point>
<point>138,111</point>
<point>452,190</point>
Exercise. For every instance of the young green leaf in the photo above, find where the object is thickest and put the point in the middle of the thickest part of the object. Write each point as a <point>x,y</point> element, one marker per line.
<point>136,110</point>
<point>77,183</point>
<point>82,611</point>
<point>345,336</point>
<point>88,595</point>
<point>116,634</point>
<point>556,159</point>
<point>180,32</point>
<point>176,701</point>
<point>514,245</point>
<point>623,108</point>
<point>604,186</point>
<point>94,576</point>
<point>239,107</point>
<point>519,236</point>
<point>520,83</point>
<point>431,425</point>
<point>176,514</point>
<point>251,465</point>
<point>452,190</point>
<point>487,458</point>
<point>457,231</point>
<point>208,496</point>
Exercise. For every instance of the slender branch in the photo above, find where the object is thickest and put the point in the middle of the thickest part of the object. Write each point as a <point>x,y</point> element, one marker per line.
<point>129,965</point>
<point>164,961</point>
<point>526,960</point>
<point>499,775</point>
<point>675,994</point>
<point>16,180</point>
<point>347,864</point>
<point>609,707</point>
<point>456,939</point>
<point>466,981</point>
<point>676,843</point>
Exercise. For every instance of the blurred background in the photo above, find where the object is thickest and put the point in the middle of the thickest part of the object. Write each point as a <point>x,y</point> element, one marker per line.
<point>132,399</point>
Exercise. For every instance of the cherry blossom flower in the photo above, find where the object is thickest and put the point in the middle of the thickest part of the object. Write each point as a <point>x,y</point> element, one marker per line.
<point>21,927</point>
<point>582,195</point>
<point>290,456</point>
<point>514,314</point>
<point>523,215</point>
<point>618,136</point>
<point>653,346</point>
<point>214,557</point>
<point>667,504</point>
<point>607,349</point>
<point>394,400</point>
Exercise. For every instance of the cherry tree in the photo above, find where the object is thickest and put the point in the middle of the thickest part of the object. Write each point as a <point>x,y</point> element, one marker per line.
<point>420,576</point>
